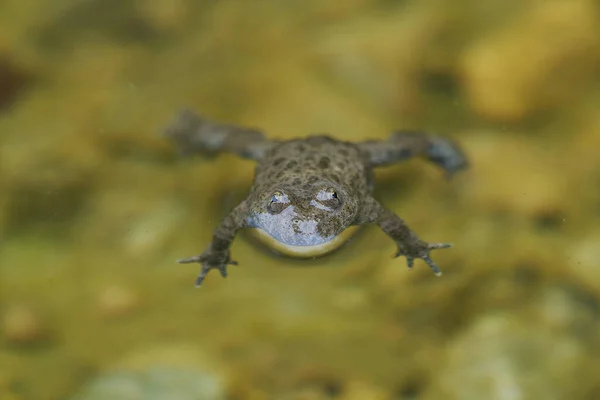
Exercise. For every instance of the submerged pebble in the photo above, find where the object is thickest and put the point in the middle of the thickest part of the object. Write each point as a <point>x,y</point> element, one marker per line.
<point>512,73</point>
<point>173,372</point>
<point>510,357</point>
<point>357,390</point>
<point>23,325</point>
<point>116,301</point>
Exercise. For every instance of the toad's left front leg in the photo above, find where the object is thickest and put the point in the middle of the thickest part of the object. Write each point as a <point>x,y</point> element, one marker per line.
<point>216,255</point>
<point>409,244</point>
<point>193,134</point>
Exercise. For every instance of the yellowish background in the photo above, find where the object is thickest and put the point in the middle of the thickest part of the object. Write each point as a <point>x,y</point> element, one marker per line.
<point>95,206</point>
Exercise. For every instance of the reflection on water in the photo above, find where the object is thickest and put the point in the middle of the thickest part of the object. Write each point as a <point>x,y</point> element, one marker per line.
<point>95,206</point>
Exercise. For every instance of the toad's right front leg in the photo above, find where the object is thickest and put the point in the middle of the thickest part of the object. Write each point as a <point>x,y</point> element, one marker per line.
<point>216,255</point>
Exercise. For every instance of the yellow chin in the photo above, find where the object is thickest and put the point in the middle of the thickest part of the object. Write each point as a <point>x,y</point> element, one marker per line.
<point>303,251</point>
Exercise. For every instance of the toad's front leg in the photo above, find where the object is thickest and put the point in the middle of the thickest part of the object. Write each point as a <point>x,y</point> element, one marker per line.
<point>409,244</point>
<point>217,255</point>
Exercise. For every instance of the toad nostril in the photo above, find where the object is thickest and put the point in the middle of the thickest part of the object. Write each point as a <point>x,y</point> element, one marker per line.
<point>296,221</point>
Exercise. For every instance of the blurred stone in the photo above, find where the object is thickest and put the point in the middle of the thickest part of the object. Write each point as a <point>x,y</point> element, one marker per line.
<point>22,325</point>
<point>506,356</point>
<point>516,71</point>
<point>163,14</point>
<point>356,390</point>
<point>76,152</point>
<point>171,372</point>
<point>12,81</point>
<point>46,185</point>
<point>566,308</point>
<point>500,183</point>
<point>117,301</point>
<point>133,220</point>
<point>583,260</point>
<point>120,21</point>
<point>379,56</point>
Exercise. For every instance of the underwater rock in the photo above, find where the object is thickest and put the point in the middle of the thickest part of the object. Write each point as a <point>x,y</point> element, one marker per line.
<point>582,260</point>
<point>542,187</point>
<point>380,57</point>
<point>172,372</point>
<point>46,187</point>
<point>22,325</point>
<point>356,390</point>
<point>505,356</point>
<point>517,70</point>
<point>12,82</point>
<point>164,15</point>
<point>116,301</point>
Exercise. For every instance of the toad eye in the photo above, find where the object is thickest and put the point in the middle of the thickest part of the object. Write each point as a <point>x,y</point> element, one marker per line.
<point>329,198</point>
<point>279,197</point>
<point>279,201</point>
<point>327,194</point>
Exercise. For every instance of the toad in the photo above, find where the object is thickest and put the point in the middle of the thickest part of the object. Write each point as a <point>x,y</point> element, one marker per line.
<point>307,192</point>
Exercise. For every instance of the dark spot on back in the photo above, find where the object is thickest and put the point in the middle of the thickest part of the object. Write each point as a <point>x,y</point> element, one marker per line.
<point>313,179</point>
<point>280,174</point>
<point>297,181</point>
<point>343,152</point>
<point>278,161</point>
<point>291,164</point>
<point>324,162</point>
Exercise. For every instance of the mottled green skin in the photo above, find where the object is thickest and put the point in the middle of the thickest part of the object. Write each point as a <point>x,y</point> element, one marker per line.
<point>307,191</point>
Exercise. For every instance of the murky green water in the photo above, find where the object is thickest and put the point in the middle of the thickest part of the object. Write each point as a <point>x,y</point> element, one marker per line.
<point>95,206</point>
